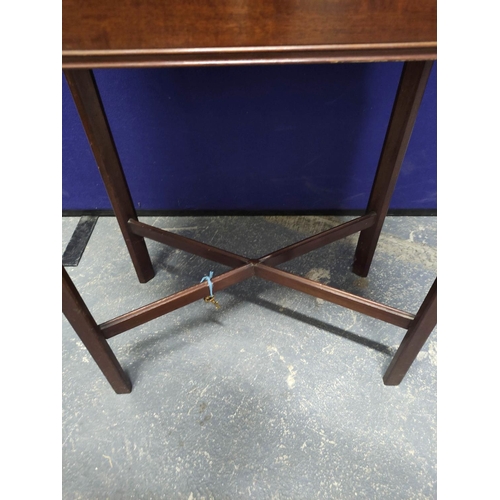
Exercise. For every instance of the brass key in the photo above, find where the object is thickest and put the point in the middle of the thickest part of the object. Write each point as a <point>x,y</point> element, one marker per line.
<point>211,299</point>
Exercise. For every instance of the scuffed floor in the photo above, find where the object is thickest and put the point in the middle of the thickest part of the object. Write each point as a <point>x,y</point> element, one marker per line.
<point>277,395</point>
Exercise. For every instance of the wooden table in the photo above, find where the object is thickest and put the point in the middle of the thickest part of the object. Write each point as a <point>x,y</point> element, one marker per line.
<point>159,33</point>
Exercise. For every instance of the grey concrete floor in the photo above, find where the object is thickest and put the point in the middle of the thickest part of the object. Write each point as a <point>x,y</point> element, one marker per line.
<point>277,395</point>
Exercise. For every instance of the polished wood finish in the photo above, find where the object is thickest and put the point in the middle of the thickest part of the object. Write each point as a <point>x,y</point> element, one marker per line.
<point>345,299</point>
<point>173,302</point>
<point>86,328</point>
<point>88,103</point>
<point>318,240</point>
<point>418,333</point>
<point>404,113</point>
<point>242,56</point>
<point>244,269</point>
<point>110,33</point>
<point>132,33</point>
<point>186,244</point>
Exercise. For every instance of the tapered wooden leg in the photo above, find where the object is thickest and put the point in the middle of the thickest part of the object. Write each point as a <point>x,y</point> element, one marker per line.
<point>418,332</point>
<point>88,102</point>
<point>404,112</point>
<point>86,328</point>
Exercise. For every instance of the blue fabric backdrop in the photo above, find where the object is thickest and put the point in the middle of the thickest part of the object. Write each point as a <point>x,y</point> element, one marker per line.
<point>292,137</point>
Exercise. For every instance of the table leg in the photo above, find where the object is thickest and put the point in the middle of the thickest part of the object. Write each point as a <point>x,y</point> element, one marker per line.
<point>415,338</point>
<point>88,103</point>
<point>83,323</point>
<point>404,112</point>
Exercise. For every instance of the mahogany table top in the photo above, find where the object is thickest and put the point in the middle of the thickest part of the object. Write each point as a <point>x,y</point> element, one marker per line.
<point>136,33</point>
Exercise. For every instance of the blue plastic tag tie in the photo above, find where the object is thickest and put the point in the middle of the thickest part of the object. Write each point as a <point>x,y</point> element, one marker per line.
<point>208,279</point>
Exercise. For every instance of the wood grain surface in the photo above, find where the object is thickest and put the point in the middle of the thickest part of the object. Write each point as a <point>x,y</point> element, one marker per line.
<point>108,33</point>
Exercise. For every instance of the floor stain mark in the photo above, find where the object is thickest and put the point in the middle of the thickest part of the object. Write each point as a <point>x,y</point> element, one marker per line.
<point>109,458</point>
